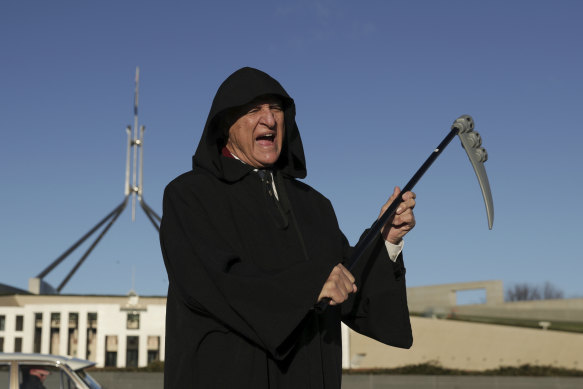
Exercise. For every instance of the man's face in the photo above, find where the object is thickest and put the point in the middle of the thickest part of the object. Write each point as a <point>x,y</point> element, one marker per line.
<point>256,137</point>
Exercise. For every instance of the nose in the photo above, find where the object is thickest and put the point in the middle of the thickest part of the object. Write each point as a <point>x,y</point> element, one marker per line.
<point>267,117</point>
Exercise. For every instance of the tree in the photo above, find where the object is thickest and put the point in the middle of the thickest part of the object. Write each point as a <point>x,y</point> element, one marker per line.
<point>550,292</point>
<point>526,292</point>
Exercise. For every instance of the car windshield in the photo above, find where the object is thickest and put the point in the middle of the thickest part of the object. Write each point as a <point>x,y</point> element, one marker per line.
<point>90,381</point>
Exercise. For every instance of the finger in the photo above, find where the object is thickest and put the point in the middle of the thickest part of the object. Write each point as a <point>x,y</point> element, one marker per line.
<point>338,294</point>
<point>411,203</point>
<point>351,286</point>
<point>395,194</point>
<point>340,281</point>
<point>406,204</point>
<point>409,198</point>
<point>338,297</point>
<point>346,272</point>
<point>409,195</point>
<point>405,219</point>
<point>333,292</point>
<point>392,198</point>
<point>343,286</point>
<point>338,286</point>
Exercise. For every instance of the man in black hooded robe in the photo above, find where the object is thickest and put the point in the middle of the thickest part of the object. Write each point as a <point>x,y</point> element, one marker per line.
<point>250,250</point>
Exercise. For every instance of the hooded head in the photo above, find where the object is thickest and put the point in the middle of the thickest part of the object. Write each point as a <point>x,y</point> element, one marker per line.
<point>245,86</point>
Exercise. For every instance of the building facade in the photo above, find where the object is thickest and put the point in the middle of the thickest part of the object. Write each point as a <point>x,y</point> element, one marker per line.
<point>117,331</point>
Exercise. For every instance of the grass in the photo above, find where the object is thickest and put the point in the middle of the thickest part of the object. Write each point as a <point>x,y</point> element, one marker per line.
<point>433,368</point>
<point>428,368</point>
<point>555,325</point>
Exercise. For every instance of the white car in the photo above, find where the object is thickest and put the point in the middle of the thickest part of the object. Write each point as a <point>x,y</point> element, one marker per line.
<point>37,371</point>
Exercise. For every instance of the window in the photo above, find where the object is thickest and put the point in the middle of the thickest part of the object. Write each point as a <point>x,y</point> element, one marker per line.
<point>55,320</point>
<point>110,359</point>
<point>133,322</point>
<point>471,296</point>
<point>55,335</point>
<point>1,344</point>
<point>73,334</point>
<point>73,319</point>
<point>4,374</point>
<point>92,320</point>
<point>132,351</point>
<point>2,322</point>
<point>153,349</point>
<point>91,353</point>
<point>111,350</point>
<point>19,322</point>
<point>17,345</point>
<point>38,332</point>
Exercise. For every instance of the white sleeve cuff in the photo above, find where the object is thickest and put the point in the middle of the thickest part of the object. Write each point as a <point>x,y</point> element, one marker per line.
<point>394,249</point>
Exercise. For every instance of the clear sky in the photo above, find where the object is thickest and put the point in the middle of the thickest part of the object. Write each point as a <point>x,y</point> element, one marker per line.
<point>377,85</point>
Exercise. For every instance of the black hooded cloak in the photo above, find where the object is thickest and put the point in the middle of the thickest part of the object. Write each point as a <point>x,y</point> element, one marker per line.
<point>245,274</point>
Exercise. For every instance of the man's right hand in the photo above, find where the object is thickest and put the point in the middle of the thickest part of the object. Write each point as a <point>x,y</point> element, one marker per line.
<point>338,286</point>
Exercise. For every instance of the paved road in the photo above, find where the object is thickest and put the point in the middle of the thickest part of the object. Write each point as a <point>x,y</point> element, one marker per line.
<point>122,380</point>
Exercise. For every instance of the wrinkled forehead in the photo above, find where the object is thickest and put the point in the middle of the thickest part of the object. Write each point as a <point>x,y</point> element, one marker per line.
<point>260,100</point>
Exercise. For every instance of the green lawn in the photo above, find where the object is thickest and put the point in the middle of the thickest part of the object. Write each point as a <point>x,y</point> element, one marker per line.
<point>555,325</point>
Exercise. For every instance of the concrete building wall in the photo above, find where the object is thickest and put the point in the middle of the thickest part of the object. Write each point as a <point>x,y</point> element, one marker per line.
<point>442,300</point>
<point>472,346</point>
<point>443,297</point>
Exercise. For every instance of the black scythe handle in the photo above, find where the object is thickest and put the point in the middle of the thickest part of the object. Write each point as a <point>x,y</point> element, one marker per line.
<point>376,227</point>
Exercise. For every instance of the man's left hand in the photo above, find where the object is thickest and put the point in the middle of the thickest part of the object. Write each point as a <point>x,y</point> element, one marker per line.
<point>402,220</point>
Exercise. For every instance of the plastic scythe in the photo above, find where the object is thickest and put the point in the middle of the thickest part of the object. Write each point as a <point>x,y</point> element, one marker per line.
<point>471,142</point>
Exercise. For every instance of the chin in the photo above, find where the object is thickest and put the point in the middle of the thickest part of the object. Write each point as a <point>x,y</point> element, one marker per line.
<point>266,162</point>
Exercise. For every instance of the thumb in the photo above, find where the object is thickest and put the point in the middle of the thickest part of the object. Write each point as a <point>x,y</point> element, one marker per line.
<point>396,192</point>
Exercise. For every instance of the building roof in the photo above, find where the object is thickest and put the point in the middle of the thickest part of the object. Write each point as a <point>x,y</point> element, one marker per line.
<point>7,289</point>
<point>20,300</point>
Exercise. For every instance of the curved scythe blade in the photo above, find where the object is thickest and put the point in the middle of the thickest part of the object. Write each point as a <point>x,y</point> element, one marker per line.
<point>471,142</point>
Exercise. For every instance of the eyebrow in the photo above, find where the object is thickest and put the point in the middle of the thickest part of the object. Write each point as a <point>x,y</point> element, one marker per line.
<point>274,104</point>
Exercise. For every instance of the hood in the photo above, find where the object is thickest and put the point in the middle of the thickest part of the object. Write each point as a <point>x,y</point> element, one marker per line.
<point>238,89</point>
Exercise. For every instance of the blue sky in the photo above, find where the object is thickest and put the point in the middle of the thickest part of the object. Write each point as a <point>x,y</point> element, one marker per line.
<point>377,85</point>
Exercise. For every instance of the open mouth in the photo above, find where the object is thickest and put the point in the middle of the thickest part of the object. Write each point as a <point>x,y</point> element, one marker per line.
<point>266,138</point>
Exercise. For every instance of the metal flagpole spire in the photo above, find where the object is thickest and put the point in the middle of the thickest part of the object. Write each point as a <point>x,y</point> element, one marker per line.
<point>132,187</point>
<point>136,143</point>
<point>137,146</point>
